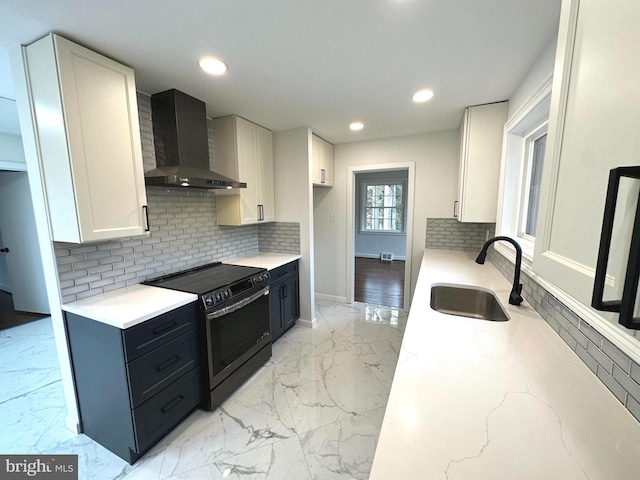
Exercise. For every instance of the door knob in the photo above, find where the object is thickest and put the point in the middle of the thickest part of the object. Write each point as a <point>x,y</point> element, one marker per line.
<point>4,250</point>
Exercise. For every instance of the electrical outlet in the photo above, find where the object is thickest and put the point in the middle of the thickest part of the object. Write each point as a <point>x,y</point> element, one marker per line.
<point>332,217</point>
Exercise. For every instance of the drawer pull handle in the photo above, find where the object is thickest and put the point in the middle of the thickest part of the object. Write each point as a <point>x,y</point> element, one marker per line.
<point>146,216</point>
<point>158,331</point>
<point>168,363</point>
<point>172,404</point>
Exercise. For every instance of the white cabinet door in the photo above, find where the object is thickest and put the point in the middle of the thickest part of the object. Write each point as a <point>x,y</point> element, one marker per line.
<point>322,162</point>
<point>248,170</point>
<point>481,135</point>
<point>265,172</point>
<point>593,127</point>
<point>244,151</point>
<point>87,123</point>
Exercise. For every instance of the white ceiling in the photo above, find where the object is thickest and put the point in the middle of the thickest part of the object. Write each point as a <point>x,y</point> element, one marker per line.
<point>316,63</point>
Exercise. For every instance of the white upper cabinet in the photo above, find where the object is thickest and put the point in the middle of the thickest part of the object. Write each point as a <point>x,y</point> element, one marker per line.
<point>481,135</point>
<point>244,151</point>
<point>86,116</point>
<point>593,127</point>
<point>322,161</point>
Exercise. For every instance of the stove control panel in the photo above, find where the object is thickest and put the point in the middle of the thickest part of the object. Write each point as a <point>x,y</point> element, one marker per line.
<point>217,297</point>
<point>224,294</point>
<point>261,279</point>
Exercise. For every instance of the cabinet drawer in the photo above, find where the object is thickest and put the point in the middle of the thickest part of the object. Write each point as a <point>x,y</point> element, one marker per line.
<point>283,271</point>
<point>162,412</point>
<point>155,370</point>
<point>151,334</point>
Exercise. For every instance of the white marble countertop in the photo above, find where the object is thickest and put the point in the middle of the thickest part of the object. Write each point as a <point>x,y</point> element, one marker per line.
<point>474,399</point>
<point>126,307</point>
<point>266,260</point>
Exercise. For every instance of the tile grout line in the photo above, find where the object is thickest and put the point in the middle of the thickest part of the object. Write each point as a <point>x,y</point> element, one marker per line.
<point>30,392</point>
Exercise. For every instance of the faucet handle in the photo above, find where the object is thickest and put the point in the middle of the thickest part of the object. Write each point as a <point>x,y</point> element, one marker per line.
<point>514,297</point>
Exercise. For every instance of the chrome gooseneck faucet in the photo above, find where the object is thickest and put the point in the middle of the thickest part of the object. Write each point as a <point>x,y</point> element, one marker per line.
<point>514,297</point>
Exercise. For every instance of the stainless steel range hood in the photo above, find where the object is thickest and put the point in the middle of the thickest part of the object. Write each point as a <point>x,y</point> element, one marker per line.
<point>182,144</point>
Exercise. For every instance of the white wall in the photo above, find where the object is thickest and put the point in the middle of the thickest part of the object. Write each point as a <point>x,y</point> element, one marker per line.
<point>436,159</point>
<point>540,71</point>
<point>11,148</point>
<point>294,203</point>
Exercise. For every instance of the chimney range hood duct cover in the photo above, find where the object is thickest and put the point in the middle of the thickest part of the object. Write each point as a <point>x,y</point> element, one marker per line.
<point>182,144</point>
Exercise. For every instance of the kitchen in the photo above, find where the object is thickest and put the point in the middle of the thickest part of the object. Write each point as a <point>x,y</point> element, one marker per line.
<point>436,177</point>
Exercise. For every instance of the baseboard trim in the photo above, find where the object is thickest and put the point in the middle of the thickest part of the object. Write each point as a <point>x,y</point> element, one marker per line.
<point>72,425</point>
<point>370,255</point>
<point>332,298</point>
<point>307,323</point>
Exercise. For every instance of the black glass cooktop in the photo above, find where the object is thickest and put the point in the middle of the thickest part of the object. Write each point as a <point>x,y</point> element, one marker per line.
<point>204,279</point>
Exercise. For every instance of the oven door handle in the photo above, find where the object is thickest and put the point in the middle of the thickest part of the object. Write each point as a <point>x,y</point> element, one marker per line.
<point>238,305</point>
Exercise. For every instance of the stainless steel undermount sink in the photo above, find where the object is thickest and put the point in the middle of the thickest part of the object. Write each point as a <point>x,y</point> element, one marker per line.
<point>465,301</point>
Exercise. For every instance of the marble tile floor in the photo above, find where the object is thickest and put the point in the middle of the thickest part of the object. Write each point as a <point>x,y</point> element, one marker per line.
<point>313,411</point>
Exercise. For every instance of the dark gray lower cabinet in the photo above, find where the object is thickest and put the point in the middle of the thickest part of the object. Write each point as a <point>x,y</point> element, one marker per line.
<point>135,385</point>
<point>284,292</point>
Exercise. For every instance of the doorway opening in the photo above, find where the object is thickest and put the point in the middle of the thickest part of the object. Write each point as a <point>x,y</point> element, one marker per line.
<point>10,317</point>
<point>379,243</point>
<point>22,294</point>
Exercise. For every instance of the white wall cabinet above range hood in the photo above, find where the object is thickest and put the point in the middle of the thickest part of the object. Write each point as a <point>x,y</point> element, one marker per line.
<point>244,150</point>
<point>86,116</point>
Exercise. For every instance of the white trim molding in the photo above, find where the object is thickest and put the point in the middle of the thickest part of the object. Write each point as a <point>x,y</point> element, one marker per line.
<point>331,298</point>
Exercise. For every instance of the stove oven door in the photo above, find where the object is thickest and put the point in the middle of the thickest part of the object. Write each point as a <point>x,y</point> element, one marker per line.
<point>237,331</point>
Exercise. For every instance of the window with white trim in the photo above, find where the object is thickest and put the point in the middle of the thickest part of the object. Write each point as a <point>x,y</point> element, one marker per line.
<point>525,146</point>
<point>383,206</point>
<point>535,146</point>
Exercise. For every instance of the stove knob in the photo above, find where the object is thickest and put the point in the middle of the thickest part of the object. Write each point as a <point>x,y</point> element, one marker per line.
<point>209,301</point>
<point>266,277</point>
<point>227,293</point>
<point>218,297</point>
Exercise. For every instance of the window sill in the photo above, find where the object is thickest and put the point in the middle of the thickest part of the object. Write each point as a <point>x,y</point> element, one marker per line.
<point>510,253</point>
<point>381,232</point>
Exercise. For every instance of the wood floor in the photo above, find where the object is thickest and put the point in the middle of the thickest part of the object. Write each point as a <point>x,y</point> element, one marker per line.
<point>10,317</point>
<point>379,282</point>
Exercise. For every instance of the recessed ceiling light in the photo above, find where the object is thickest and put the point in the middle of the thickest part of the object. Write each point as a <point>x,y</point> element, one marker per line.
<point>422,96</point>
<point>212,65</point>
<point>356,126</point>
